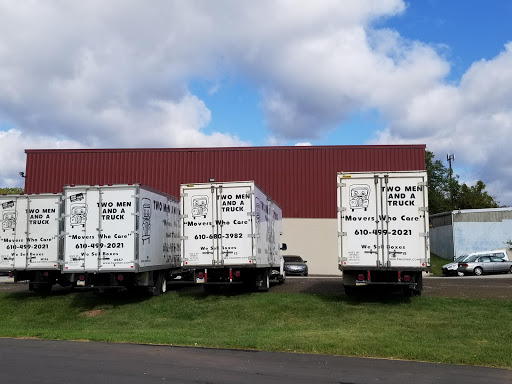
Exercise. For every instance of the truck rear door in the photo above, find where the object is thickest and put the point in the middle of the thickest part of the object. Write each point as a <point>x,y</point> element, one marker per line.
<point>234,224</point>
<point>405,220</point>
<point>81,228</point>
<point>382,220</point>
<point>217,224</point>
<point>43,232</point>
<point>13,238</point>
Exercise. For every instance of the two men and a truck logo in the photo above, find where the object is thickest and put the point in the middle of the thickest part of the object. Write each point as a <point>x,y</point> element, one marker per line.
<point>199,206</point>
<point>78,210</point>
<point>8,216</point>
<point>359,196</point>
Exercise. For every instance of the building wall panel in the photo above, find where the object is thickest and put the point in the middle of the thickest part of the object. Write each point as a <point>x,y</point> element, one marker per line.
<point>301,179</point>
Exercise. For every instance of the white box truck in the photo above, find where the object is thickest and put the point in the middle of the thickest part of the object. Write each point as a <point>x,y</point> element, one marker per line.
<point>383,229</point>
<point>120,236</point>
<point>231,234</point>
<point>29,239</point>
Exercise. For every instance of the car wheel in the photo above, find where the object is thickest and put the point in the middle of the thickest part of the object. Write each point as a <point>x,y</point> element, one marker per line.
<point>478,271</point>
<point>510,269</point>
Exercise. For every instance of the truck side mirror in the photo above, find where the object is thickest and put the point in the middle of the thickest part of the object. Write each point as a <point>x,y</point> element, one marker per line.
<point>283,247</point>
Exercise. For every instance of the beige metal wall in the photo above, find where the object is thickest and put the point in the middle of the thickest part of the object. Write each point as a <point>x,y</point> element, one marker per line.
<point>316,240</point>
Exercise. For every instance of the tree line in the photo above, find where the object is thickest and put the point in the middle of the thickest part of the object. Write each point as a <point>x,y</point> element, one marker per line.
<point>446,193</point>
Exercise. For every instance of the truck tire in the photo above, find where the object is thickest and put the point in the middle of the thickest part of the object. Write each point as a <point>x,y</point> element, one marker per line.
<point>160,284</point>
<point>40,287</point>
<point>264,277</point>
<point>211,288</point>
<point>349,290</point>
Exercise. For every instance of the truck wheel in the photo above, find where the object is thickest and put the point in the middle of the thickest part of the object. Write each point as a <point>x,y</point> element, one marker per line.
<point>349,290</point>
<point>265,281</point>
<point>282,278</point>
<point>41,287</point>
<point>160,284</point>
<point>211,288</point>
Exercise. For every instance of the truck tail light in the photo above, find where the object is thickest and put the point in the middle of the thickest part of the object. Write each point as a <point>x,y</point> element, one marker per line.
<point>360,277</point>
<point>407,278</point>
<point>120,277</point>
<point>200,275</point>
<point>81,277</point>
<point>237,273</point>
<point>10,274</point>
<point>45,274</point>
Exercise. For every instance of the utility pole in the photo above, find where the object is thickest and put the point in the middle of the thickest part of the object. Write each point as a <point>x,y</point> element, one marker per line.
<point>450,158</point>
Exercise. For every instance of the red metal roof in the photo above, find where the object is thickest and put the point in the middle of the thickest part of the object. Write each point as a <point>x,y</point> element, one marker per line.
<point>302,180</point>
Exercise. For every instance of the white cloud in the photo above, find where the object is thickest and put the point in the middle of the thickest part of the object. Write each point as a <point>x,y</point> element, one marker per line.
<point>473,119</point>
<point>12,143</point>
<point>116,74</point>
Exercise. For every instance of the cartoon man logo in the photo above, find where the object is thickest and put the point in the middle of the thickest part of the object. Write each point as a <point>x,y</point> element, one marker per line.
<point>146,220</point>
<point>359,196</point>
<point>78,214</point>
<point>8,220</point>
<point>199,206</point>
<point>78,210</point>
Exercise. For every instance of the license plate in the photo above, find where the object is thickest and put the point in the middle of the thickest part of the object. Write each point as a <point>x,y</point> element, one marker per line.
<point>9,279</point>
<point>80,283</point>
<point>199,281</point>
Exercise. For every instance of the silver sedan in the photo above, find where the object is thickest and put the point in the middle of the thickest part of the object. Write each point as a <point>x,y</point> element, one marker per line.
<point>480,264</point>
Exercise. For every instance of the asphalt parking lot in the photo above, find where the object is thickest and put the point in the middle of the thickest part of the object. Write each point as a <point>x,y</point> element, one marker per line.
<point>488,286</point>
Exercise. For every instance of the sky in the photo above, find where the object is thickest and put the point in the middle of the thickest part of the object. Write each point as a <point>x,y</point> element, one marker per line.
<point>203,73</point>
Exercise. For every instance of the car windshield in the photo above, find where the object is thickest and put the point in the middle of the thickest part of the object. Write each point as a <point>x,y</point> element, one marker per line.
<point>460,258</point>
<point>294,259</point>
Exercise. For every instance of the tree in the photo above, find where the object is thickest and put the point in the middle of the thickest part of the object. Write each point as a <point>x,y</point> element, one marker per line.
<point>11,191</point>
<point>474,197</point>
<point>440,184</point>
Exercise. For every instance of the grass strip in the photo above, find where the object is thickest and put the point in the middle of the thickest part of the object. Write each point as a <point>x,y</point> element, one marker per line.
<point>453,331</point>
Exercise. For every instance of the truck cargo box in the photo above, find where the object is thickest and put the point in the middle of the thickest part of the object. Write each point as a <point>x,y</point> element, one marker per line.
<point>383,227</point>
<point>29,239</point>
<point>229,224</point>
<point>119,228</point>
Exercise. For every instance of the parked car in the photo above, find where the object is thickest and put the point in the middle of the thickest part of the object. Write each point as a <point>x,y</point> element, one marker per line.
<point>450,269</point>
<point>480,264</point>
<point>295,265</point>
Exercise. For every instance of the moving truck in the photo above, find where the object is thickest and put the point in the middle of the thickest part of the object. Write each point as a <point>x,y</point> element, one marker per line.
<point>231,234</point>
<point>124,235</point>
<point>30,238</point>
<point>383,229</point>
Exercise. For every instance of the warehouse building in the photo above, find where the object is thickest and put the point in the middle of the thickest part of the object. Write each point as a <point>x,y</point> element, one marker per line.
<point>302,180</point>
<point>460,232</point>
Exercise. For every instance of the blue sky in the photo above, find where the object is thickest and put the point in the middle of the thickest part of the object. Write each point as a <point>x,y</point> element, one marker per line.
<point>272,72</point>
<point>477,31</point>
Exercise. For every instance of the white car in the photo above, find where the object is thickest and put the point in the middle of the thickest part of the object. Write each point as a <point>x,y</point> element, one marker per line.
<point>452,268</point>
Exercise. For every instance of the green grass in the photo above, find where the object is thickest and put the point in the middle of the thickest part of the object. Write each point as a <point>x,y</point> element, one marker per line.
<point>436,264</point>
<point>455,331</point>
